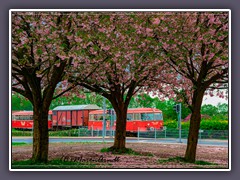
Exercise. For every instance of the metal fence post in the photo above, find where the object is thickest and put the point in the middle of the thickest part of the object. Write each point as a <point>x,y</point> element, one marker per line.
<point>92,131</point>
<point>155,135</point>
<point>104,120</point>
<point>165,133</point>
<point>179,123</point>
<point>138,133</point>
<point>200,133</point>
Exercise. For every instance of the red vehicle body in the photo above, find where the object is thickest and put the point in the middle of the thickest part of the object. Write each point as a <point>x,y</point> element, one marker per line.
<point>72,116</point>
<point>142,119</point>
<point>24,120</point>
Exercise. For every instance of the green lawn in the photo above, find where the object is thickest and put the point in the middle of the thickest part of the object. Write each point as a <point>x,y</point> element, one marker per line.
<point>18,144</point>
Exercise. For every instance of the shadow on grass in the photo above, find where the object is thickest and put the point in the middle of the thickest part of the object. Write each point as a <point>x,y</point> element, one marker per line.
<point>182,160</point>
<point>128,151</point>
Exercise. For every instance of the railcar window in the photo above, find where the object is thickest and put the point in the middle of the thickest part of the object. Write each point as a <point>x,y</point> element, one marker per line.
<point>151,116</point>
<point>137,116</point>
<point>158,116</point>
<point>91,117</point>
<point>147,116</point>
<point>30,117</point>
<point>99,117</point>
<point>129,117</point>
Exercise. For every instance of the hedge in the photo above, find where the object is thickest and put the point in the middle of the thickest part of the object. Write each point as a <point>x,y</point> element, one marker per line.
<point>205,124</point>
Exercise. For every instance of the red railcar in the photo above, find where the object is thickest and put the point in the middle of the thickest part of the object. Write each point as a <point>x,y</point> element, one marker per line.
<point>72,116</point>
<point>24,120</point>
<point>142,119</point>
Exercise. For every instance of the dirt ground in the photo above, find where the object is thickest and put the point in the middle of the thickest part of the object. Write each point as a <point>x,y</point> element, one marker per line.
<point>149,157</point>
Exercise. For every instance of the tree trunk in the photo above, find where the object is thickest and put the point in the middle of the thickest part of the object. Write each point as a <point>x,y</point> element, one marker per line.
<point>40,135</point>
<point>195,120</point>
<point>120,134</point>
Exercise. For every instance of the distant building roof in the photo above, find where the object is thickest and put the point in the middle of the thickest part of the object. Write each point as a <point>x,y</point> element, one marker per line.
<point>77,107</point>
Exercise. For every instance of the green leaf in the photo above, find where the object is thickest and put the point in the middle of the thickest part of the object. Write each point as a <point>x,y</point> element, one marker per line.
<point>39,51</point>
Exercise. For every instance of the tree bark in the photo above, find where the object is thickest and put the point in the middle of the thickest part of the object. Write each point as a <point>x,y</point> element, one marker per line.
<point>120,134</point>
<point>120,108</point>
<point>195,120</point>
<point>40,135</point>
<point>190,155</point>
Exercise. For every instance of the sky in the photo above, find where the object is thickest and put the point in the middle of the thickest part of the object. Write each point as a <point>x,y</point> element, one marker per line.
<point>213,100</point>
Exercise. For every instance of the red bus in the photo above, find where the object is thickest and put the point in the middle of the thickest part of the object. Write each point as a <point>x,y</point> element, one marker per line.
<point>142,119</point>
<point>24,120</point>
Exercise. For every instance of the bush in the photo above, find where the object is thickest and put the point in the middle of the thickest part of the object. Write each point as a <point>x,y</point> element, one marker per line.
<point>170,124</point>
<point>214,125</point>
<point>209,124</point>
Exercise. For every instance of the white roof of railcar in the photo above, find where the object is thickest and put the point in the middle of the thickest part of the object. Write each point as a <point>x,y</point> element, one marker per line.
<point>77,107</point>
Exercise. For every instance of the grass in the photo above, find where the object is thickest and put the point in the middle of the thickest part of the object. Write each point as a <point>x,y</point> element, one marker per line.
<point>182,160</point>
<point>61,133</point>
<point>18,143</point>
<point>52,164</point>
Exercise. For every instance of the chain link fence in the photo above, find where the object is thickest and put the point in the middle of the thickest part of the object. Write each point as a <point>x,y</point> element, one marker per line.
<point>154,134</point>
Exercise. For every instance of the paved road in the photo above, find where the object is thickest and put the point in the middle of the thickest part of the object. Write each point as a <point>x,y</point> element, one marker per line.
<point>209,142</point>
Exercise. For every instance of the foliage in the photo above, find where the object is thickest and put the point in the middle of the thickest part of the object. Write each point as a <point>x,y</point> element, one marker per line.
<point>38,47</point>
<point>209,124</point>
<point>194,45</point>
<point>117,59</point>
<point>71,132</point>
<point>209,110</point>
<point>182,55</point>
<point>219,112</point>
<point>170,124</point>
<point>20,103</point>
<point>22,133</point>
<point>73,99</point>
<point>214,125</point>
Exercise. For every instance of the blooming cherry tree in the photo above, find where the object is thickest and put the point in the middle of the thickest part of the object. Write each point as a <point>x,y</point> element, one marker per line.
<point>195,45</point>
<point>40,50</point>
<point>117,58</point>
